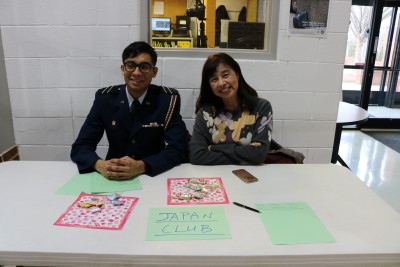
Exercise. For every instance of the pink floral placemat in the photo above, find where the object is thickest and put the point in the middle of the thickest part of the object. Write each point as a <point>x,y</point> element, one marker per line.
<point>97,211</point>
<point>194,191</point>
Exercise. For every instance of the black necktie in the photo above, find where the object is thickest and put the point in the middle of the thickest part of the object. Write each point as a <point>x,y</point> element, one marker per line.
<point>135,106</point>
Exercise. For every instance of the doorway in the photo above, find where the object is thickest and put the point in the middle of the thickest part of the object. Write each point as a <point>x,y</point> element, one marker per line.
<point>372,63</point>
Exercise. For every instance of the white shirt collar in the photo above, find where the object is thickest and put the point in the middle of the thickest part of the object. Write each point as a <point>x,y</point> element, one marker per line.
<point>130,98</point>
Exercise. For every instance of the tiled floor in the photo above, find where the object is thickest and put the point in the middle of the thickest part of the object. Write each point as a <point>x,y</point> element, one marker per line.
<point>377,165</point>
<point>383,112</point>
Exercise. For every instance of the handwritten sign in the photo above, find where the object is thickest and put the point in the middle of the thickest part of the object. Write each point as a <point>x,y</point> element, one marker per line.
<point>194,223</point>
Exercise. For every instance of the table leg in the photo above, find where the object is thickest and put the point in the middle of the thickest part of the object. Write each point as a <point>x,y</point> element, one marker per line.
<point>341,161</point>
<point>336,143</point>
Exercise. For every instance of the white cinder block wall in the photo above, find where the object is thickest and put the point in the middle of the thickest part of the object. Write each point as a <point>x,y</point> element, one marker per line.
<point>59,52</point>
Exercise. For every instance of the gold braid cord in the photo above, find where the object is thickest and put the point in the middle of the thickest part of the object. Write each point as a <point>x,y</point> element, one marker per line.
<point>170,111</point>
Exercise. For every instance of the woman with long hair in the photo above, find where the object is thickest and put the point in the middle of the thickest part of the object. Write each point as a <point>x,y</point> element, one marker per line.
<point>233,125</point>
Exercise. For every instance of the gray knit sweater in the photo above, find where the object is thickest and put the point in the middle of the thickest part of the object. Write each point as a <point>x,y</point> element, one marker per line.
<point>232,137</point>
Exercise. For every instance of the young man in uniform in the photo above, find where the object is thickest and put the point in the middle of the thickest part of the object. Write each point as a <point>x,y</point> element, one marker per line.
<point>145,131</point>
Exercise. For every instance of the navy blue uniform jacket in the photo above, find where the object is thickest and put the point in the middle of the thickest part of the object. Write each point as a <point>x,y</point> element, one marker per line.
<point>156,133</point>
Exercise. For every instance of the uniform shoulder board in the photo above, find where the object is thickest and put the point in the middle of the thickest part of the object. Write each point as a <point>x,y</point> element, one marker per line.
<point>114,89</point>
<point>168,90</point>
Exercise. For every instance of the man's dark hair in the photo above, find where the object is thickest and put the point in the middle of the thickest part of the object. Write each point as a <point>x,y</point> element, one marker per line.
<point>136,48</point>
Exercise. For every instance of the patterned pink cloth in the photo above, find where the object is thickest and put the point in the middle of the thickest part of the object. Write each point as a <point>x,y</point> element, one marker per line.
<point>109,217</point>
<point>176,187</point>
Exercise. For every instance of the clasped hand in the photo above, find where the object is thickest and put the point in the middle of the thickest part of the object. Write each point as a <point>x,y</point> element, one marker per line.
<point>120,169</point>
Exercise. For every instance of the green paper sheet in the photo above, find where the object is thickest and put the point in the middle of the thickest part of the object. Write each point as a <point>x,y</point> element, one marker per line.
<point>99,184</point>
<point>293,223</point>
<point>188,223</point>
<point>75,185</point>
<point>94,183</point>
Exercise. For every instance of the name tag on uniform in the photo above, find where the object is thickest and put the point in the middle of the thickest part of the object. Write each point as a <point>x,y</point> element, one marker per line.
<point>152,125</point>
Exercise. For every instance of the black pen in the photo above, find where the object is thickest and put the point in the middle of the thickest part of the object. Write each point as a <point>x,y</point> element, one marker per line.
<point>243,206</point>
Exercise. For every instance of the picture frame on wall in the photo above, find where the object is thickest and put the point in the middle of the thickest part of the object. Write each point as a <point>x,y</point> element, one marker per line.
<point>308,17</point>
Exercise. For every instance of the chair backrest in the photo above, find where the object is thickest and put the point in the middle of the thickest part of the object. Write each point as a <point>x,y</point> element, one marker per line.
<point>10,154</point>
<point>280,155</point>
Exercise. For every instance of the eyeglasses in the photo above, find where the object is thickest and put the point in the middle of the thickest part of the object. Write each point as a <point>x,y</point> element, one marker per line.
<point>143,67</point>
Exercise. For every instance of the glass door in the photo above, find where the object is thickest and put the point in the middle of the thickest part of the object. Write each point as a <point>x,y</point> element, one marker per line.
<point>372,64</point>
